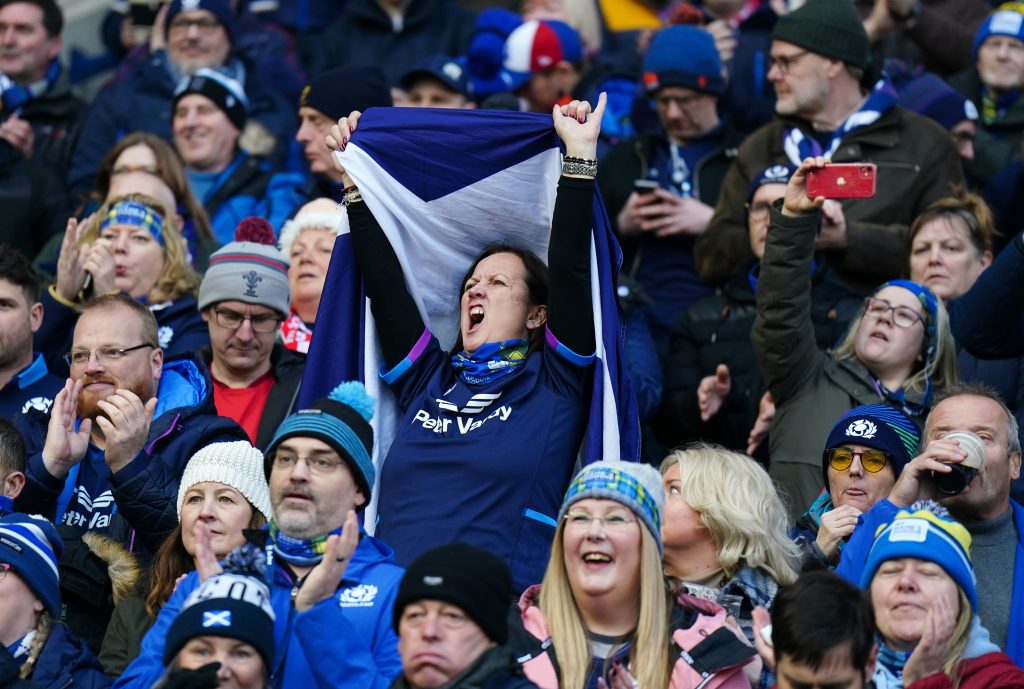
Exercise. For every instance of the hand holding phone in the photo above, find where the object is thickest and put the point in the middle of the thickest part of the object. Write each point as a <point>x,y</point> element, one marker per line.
<point>842,181</point>
<point>645,186</point>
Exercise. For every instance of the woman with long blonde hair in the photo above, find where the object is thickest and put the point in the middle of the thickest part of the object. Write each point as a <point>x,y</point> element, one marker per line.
<point>725,531</point>
<point>603,615</point>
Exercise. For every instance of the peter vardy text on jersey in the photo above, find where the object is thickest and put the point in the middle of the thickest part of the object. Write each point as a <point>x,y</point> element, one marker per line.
<point>441,424</point>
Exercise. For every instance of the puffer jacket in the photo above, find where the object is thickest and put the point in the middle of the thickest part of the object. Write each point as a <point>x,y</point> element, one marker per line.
<point>716,330</point>
<point>811,388</point>
<point>67,663</point>
<point>56,117</point>
<point>345,641</point>
<point>146,489</point>
<point>916,162</point>
<point>365,34</point>
<point>530,641</point>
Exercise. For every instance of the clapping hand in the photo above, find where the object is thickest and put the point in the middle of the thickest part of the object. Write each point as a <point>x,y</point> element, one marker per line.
<point>712,391</point>
<point>322,580</point>
<point>125,426</point>
<point>65,447</point>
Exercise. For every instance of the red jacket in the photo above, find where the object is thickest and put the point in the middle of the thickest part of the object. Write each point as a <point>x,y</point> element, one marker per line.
<point>989,671</point>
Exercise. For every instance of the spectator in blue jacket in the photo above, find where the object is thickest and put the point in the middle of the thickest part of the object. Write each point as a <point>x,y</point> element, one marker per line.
<point>994,520</point>
<point>199,35</point>
<point>121,430</point>
<point>210,112</point>
<point>332,587</point>
<point>46,653</point>
<point>25,381</point>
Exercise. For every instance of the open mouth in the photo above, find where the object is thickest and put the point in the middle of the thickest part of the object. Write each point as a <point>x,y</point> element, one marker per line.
<point>476,317</point>
<point>596,558</point>
<point>879,336</point>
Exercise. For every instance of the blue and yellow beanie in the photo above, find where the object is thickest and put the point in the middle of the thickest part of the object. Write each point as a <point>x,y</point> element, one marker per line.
<point>637,486</point>
<point>925,531</point>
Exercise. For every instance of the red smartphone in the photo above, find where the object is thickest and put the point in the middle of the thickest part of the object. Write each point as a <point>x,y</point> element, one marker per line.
<point>843,181</point>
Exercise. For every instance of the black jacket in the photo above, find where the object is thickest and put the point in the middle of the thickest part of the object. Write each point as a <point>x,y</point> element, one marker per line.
<point>716,330</point>
<point>287,367</point>
<point>56,117</point>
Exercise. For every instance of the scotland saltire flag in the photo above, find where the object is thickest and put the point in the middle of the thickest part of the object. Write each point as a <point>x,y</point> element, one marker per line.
<point>443,184</point>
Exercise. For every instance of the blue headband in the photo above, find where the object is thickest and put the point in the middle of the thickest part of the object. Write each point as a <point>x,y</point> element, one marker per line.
<point>137,215</point>
<point>927,299</point>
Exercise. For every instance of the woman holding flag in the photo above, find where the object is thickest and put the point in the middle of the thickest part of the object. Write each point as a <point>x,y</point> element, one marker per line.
<point>489,431</point>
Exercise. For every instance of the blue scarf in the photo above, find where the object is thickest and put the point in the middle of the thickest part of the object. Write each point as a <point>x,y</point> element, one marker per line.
<point>301,552</point>
<point>13,96</point>
<point>20,648</point>
<point>491,361</point>
<point>889,673</point>
<point>798,145</point>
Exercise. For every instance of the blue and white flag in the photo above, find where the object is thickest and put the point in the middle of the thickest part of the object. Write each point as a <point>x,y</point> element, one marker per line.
<point>443,184</point>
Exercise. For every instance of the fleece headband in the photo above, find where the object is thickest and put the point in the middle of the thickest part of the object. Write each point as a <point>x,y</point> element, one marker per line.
<point>135,214</point>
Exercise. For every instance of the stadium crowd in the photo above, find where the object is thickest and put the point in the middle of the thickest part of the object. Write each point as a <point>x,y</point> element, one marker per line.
<point>478,344</point>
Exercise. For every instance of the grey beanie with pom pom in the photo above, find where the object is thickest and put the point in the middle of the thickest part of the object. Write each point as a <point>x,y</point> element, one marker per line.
<point>342,420</point>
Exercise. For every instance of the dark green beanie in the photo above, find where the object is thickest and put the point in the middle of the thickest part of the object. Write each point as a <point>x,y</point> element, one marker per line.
<point>830,28</point>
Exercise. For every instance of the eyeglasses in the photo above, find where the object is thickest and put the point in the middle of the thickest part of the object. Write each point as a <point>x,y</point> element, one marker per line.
<point>681,102</point>
<point>785,62</point>
<point>205,25</point>
<point>902,316</point>
<point>261,323</point>
<point>580,521</point>
<point>840,459</point>
<point>759,210</point>
<point>318,464</point>
<point>104,355</point>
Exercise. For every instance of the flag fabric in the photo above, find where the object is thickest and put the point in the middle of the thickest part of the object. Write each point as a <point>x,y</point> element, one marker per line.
<point>443,184</point>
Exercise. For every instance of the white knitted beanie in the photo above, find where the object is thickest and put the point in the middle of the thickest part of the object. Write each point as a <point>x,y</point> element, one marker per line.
<point>237,464</point>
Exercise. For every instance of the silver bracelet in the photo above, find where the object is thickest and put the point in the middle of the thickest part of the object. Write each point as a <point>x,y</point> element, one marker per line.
<point>579,166</point>
<point>351,196</point>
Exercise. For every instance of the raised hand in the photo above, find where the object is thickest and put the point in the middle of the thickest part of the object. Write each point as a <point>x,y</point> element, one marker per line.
<point>763,637</point>
<point>578,127</point>
<point>915,481</point>
<point>618,678</point>
<point>796,200</point>
<point>322,580</point>
<point>763,423</point>
<point>125,426</point>
<point>712,391</point>
<point>99,262</point>
<point>65,447</point>
<point>71,272</point>
<point>338,139</point>
<point>206,560</point>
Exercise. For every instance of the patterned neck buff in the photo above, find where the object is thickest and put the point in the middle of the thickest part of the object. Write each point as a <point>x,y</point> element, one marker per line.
<point>301,552</point>
<point>491,361</point>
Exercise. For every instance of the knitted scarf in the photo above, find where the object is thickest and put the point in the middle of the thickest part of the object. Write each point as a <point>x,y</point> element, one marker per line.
<point>301,552</point>
<point>13,96</point>
<point>993,107</point>
<point>491,361</point>
<point>798,146</point>
<point>20,648</point>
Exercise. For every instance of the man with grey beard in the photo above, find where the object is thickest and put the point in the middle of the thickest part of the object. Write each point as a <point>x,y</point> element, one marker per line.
<point>198,34</point>
<point>120,432</point>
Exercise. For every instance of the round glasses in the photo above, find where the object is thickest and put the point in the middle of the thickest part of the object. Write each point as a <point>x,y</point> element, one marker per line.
<point>840,459</point>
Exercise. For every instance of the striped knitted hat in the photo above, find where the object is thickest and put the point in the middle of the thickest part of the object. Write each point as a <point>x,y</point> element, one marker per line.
<point>879,427</point>
<point>31,545</point>
<point>342,420</point>
<point>925,531</point>
<point>249,269</point>
<point>636,485</point>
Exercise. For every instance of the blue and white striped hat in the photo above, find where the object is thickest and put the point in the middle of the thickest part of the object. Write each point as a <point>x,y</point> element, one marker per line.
<point>31,545</point>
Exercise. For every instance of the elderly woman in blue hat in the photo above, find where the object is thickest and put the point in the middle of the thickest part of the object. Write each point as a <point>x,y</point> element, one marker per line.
<point>33,646</point>
<point>922,588</point>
